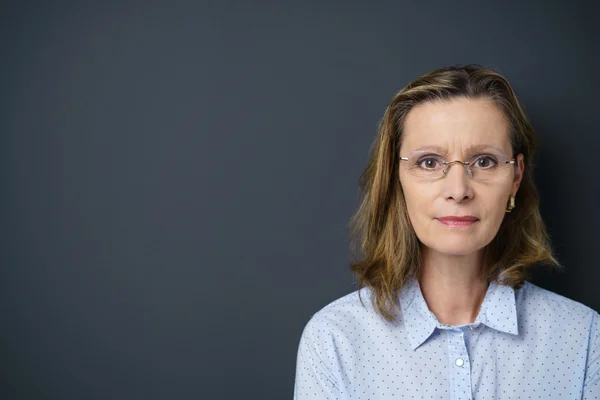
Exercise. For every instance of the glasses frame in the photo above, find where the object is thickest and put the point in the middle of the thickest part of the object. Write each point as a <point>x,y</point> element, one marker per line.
<point>466,164</point>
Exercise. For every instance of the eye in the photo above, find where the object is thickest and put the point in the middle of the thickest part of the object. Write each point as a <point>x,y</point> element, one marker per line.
<point>485,162</point>
<point>429,162</point>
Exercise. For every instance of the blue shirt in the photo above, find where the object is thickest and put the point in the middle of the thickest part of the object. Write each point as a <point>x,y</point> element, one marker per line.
<point>526,343</point>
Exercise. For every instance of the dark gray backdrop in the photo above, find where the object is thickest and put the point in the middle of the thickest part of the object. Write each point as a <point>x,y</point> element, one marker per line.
<point>178,177</point>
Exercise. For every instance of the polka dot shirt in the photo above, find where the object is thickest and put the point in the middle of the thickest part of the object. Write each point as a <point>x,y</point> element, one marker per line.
<point>527,343</point>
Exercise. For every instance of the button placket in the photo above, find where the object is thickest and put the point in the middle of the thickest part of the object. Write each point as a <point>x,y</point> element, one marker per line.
<point>460,370</point>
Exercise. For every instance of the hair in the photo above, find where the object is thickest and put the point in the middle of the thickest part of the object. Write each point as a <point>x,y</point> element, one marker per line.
<point>390,252</point>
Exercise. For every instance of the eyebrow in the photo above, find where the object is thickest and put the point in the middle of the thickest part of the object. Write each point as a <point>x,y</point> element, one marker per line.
<point>470,149</point>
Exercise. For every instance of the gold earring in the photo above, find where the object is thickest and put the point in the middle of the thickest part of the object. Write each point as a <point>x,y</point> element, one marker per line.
<point>511,204</point>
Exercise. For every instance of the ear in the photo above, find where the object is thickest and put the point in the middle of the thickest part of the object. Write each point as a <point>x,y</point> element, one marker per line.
<point>519,170</point>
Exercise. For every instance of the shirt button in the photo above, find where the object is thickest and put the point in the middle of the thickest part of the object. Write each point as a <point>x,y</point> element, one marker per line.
<point>460,362</point>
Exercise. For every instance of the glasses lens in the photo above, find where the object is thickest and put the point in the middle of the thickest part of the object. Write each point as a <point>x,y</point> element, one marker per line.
<point>490,168</point>
<point>429,166</point>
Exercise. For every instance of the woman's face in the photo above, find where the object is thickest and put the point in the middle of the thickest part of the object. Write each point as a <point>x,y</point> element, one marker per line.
<point>455,127</point>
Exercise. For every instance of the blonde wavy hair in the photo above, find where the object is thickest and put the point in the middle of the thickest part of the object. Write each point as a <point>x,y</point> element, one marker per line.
<point>390,252</point>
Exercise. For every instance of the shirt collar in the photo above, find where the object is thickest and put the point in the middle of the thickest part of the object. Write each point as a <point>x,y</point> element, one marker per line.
<point>498,311</point>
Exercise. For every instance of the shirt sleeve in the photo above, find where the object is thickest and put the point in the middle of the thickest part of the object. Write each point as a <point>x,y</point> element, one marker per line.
<point>591,385</point>
<point>314,379</point>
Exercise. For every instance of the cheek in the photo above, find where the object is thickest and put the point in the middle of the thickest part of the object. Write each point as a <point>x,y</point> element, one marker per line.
<point>493,204</point>
<point>419,201</point>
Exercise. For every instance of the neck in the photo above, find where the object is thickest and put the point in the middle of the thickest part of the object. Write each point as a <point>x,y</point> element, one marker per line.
<point>453,286</point>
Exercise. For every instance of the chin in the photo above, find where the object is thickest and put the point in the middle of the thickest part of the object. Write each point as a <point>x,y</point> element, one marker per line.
<point>457,251</point>
<point>456,247</point>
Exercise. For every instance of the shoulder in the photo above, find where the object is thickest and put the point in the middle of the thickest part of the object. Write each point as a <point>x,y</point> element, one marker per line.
<point>346,309</point>
<point>554,308</point>
<point>538,296</point>
<point>342,318</point>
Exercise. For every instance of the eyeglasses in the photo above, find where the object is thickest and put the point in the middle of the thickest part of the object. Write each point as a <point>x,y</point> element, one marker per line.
<point>481,167</point>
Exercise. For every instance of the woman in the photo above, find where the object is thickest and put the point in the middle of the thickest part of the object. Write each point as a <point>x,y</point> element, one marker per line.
<point>449,226</point>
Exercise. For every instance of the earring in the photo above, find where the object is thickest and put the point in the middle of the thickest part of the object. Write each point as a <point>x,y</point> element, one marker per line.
<point>511,204</point>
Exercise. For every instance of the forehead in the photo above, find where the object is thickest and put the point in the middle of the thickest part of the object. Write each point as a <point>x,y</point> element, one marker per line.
<point>456,124</point>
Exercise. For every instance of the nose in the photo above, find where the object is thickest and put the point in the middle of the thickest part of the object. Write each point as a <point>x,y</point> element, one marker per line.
<point>457,184</point>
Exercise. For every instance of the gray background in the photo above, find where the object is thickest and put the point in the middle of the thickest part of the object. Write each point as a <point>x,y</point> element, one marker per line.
<point>178,177</point>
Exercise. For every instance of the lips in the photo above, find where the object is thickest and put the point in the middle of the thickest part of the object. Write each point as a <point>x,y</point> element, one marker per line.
<point>458,221</point>
<point>453,218</point>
